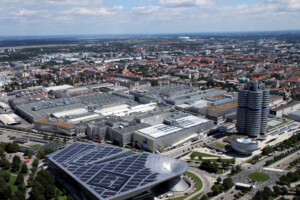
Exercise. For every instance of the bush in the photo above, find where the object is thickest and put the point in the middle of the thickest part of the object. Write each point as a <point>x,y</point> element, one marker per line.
<point>5,176</point>
<point>12,147</point>
<point>16,164</point>
<point>20,180</point>
<point>24,169</point>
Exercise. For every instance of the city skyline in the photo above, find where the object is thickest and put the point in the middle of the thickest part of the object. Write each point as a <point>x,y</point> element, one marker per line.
<point>65,17</point>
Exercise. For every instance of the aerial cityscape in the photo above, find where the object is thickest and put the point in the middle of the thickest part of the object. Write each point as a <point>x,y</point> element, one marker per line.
<point>157,100</point>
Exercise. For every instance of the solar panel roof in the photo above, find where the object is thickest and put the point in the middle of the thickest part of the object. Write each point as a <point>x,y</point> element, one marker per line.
<point>109,172</point>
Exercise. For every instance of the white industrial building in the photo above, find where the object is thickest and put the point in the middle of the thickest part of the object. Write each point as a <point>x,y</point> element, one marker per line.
<point>10,119</point>
<point>285,109</point>
<point>125,109</point>
<point>172,132</point>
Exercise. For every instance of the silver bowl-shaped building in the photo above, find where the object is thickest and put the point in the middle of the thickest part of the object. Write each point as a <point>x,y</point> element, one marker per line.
<point>243,146</point>
<point>109,172</point>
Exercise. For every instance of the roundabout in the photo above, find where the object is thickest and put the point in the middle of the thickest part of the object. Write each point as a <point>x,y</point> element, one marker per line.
<point>259,176</point>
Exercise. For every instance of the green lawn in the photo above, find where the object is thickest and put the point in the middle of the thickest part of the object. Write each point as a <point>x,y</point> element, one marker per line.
<point>198,182</point>
<point>199,154</point>
<point>12,137</point>
<point>16,173</point>
<point>35,146</point>
<point>218,145</point>
<point>11,182</point>
<point>259,177</point>
<point>196,155</point>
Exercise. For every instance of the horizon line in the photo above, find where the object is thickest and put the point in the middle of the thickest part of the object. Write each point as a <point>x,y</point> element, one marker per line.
<point>149,34</point>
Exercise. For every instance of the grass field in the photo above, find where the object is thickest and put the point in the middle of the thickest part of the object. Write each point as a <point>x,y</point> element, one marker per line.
<point>259,177</point>
<point>196,155</point>
<point>35,146</point>
<point>199,154</point>
<point>11,182</point>
<point>218,145</point>
<point>198,182</point>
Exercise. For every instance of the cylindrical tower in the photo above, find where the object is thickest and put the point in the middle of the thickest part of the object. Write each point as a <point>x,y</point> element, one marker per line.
<point>254,112</point>
<point>265,111</point>
<point>242,111</point>
<point>241,125</point>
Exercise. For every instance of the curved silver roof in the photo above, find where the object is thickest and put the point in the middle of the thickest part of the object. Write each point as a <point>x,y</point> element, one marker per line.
<point>109,172</point>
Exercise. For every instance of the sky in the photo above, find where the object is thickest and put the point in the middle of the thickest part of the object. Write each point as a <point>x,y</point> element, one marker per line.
<point>81,17</point>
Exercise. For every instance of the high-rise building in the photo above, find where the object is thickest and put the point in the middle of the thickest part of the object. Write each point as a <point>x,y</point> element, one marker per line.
<point>253,110</point>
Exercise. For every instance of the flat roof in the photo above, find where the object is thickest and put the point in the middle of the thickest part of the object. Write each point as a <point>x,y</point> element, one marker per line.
<point>286,106</point>
<point>222,106</point>
<point>76,111</point>
<point>112,173</point>
<point>59,87</point>
<point>182,123</point>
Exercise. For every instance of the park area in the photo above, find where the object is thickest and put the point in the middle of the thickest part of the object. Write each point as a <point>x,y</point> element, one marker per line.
<point>258,176</point>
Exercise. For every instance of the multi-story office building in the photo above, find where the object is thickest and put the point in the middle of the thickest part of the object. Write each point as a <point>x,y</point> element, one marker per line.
<point>253,110</point>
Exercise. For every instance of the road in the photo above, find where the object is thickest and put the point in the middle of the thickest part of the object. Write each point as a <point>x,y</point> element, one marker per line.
<point>206,178</point>
<point>284,163</point>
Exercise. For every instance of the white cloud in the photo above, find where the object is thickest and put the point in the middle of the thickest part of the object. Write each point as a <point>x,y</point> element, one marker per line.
<point>25,12</point>
<point>285,4</point>
<point>144,9</point>
<point>186,3</point>
<point>92,11</point>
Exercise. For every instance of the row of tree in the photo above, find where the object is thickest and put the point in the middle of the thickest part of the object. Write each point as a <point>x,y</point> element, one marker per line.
<point>43,187</point>
<point>219,187</point>
<point>277,191</point>
<point>281,156</point>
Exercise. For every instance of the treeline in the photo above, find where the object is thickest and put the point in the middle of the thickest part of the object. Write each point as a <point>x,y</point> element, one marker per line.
<point>289,178</point>
<point>281,156</point>
<point>214,166</point>
<point>286,144</point>
<point>219,187</point>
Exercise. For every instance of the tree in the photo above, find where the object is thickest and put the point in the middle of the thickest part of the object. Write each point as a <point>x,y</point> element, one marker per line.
<point>267,150</point>
<point>1,151</point>
<point>216,189</point>
<point>27,153</point>
<point>20,180</point>
<point>69,197</point>
<point>209,166</point>
<point>5,192</point>
<point>16,164</point>
<point>284,190</point>
<point>18,195</point>
<point>219,180</point>
<point>24,169</point>
<point>41,154</point>
<point>12,147</point>
<point>43,185</point>
<point>49,191</point>
<point>228,183</point>
<point>5,176</point>
<point>35,162</point>
<point>5,164</point>
<point>204,197</point>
